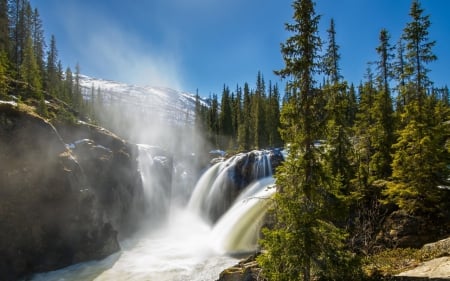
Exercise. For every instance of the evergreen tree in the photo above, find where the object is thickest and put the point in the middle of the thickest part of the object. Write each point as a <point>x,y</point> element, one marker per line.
<point>363,142</point>
<point>258,113</point>
<point>244,137</point>
<point>337,124</point>
<point>420,161</point>
<point>77,97</point>
<point>303,243</point>
<point>225,118</point>
<point>29,71</point>
<point>4,25</point>
<point>352,105</point>
<point>382,131</point>
<point>3,74</point>
<point>332,56</point>
<point>37,35</point>
<point>68,86</point>
<point>237,113</point>
<point>19,31</point>
<point>213,120</point>
<point>273,116</point>
<point>52,76</point>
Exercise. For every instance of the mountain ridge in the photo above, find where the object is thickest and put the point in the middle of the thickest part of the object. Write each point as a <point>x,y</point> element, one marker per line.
<point>168,104</point>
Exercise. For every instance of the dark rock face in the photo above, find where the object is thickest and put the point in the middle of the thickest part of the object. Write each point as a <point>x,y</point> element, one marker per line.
<point>51,213</point>
<point>403,230</point>
<point>111,170</point>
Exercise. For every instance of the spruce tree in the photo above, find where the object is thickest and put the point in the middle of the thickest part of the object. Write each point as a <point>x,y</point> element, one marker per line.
<point>237,113</point>
<point>303,243</point>
<point>4,27</point>
<point>29,71</point>
<point>37,35</point>
<point>420,161</point>
<point>382,131</point>
<point>52,79</point>
<point>3,74</point>
<point>225,118</point>
<point>337,123</point>
<point>244,131</point>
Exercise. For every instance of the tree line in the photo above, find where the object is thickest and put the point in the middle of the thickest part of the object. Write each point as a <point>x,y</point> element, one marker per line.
<point>29,65</point>
<point>354,152</point>
<point>245,118</point>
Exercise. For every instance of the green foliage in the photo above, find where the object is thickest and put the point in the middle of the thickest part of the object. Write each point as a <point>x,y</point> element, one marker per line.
<point>393,261</point>
<point>304,243</point>
<point>420,161</point>
<point>29,72</point>
<point>3,74</point>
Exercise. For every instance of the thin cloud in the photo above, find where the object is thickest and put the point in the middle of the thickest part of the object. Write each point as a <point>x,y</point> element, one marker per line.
<point>118,54</point>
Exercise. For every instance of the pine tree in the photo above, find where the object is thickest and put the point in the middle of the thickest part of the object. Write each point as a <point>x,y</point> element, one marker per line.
<point>362,139</point>
<point>68,86</point>
<point>29,71</point>
<point>3,74</point>
<point>19,31</point>
<point>225,118</point>
<point>4,25</point>
<point>273,116</point>
<point>37,35</point>
<point>244,132</point>
<point>77,97</point>
<point>258,113</point>
<point>237,114</point>
<point>303,243</point>
<point>420,159</point>
<point>382,131</point>
<point>337,124</point>
<point>52,79</point>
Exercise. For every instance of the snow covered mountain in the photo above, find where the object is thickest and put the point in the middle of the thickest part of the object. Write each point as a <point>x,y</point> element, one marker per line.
<point>164,103</point>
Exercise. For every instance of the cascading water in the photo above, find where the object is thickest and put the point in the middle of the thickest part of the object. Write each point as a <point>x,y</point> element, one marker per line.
<point>186,246</point>
<point>238,229</point>
<point>218,188</point>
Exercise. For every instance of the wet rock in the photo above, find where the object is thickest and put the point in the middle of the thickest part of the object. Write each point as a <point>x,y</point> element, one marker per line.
<point>245,270</point>
<point>111,168</point>
<point>50,216</point>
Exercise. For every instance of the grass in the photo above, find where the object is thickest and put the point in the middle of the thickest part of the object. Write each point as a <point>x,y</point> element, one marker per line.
<point>394,261</point>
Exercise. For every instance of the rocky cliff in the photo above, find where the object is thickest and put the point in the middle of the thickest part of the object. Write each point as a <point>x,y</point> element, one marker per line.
<point>62,204</point>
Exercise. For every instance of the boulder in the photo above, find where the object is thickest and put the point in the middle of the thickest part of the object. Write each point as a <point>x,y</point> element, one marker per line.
<point>402,230</point>
<point>245,270</point>
<point>435,269</point>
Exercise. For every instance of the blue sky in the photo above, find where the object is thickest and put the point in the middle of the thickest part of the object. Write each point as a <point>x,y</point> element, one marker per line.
<point>204,44</point>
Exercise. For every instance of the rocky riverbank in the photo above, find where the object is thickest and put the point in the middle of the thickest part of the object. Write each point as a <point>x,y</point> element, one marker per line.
<point>66,193</point>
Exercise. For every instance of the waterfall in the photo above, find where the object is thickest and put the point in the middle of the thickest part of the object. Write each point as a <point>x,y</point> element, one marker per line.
<point>217,189</point>
<point>238,230</point>
<point>186,246</point>
<point>155,173</point>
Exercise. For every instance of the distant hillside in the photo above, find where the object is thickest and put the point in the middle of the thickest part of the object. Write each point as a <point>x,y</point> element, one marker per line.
<point>166,104</point>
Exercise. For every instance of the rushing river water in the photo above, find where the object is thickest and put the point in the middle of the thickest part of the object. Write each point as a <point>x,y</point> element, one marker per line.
<point>182,250</point>
<point>186,247</point>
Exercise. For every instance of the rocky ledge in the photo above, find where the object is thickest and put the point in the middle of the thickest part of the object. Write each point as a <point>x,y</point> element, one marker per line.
<point>245,270</point>
<point>435,269</point>
<point>61,204</point>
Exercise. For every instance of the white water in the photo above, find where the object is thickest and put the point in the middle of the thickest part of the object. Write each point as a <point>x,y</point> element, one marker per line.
<point>215,188</point>
<point>185,247</point>
<point>238,230</point>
